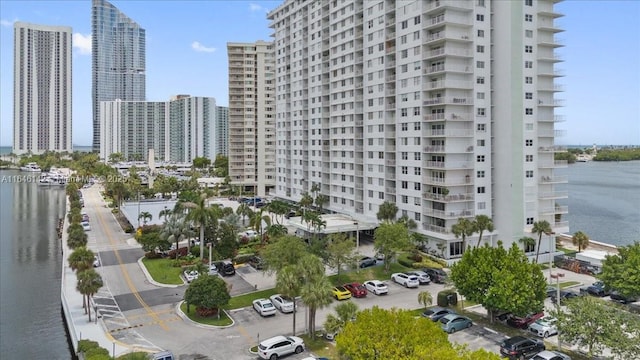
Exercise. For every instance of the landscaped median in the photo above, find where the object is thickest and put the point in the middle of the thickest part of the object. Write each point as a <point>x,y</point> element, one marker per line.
<point>223,321</point>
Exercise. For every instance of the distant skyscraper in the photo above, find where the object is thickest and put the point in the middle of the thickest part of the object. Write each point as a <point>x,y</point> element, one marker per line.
<point>41,88</point>
<point>252,124</point>
<point>222,131</point>
<point>118,60</point>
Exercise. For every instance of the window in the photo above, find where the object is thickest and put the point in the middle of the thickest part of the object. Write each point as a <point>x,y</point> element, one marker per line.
<point>480,142</point>
<point>480,48</point>
<point>528,80</point>
<point>480,64</point>
<point>528,49</point>
<point>404,184</point>
<point>479,17</point>
<point>416,20</point>
<point>528,33</point>
<point>404,24</point>
<point>480,96</point>
<point>528,64</point>
<point>480,158</point>
<point>455,248</point>
<point>481,111</point>
<point>529,158</point>
<point>405,199</point>
<point>528,17</point>
<point>481,33</point>
<point>528,111</point>
<point>482,205</point>
<point>480,174</point>
<point>528,2</point>
<point>481,190</point>
<point>481,127</point>
<point>528,142</point>
<point>529,221</point>
<point>529,174</point>
<point>528,95</point>
<point>480,80</point>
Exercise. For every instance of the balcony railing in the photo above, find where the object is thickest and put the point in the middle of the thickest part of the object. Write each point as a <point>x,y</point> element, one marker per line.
<point>448,117</point>
<point>554,164</point>
<point>553,195</point>
<point>447,198</point>
<point>555,210</point>
<point>560,179</point>
<point>553,149</point>
<point>448,214</point>
<point>435,228</point>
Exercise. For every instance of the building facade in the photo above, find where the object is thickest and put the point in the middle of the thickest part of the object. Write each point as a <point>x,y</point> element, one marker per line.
<point>252,116</point>
<point>445,108</point>
<point>222,130</point>
<point>42,91</point>
<point>118,64</point>
<point>178,130</point>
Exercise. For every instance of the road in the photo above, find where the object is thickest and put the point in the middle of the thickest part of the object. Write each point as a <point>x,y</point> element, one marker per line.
<point>142,315</point>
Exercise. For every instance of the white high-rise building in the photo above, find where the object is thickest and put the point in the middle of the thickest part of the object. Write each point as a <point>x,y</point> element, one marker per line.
<point>41,88</point>
<point>445,108</point>
<point>222,130</point>
<point>178,130</point>
<point>252,116</point>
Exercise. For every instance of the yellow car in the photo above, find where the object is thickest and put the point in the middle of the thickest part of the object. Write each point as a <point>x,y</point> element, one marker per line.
<point>341,293</point>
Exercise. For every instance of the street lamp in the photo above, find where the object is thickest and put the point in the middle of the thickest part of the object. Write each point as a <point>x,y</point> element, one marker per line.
<point>209,257</point>
<point>138,208</point>
<point>550,253</point>
<point>557,276</point>
<point>357,235</point>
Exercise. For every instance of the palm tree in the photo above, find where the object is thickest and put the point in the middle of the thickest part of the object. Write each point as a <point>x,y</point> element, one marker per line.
<point>245,211</point>
<point>425,298</point>
<point>201,215</point>
<point>527,242</point>
<point>540,227</point>
<point>165,213</point>
<point>345,312</point>
<point>316,288</point>
<point>233,220</point>
<point>387,211</point>
<point>76,239</point>
<point>81,259</point>
<point>89,282</point>
<point>462,229</point>
<point>482,223</point>
<point>581,240</point>
<point>276,231</point>
<point>321,199</point>
<point>288,284</point>
<point>279,208</point>
<point>175,230</point>
<point>145,216</point>
<point>408,222</point>
<point>305,201</point>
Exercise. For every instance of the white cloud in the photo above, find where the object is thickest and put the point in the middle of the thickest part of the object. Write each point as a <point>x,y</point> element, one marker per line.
<point>82,43</point>
<point>256,7</point>
<point>201,48</point>
<point>6,23</point>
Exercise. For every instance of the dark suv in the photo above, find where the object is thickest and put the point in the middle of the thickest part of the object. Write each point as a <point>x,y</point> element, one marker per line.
<point>596,289</point>
<point>520,347</point>
<point>225,268</point>
<point>436,275</point>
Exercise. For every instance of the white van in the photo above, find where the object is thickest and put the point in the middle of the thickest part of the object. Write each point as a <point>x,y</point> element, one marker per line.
<point>163,355</point>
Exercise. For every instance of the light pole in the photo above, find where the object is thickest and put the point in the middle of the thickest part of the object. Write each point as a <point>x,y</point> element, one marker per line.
<point>557,276</point>
<point>550,253</point>
<point>138,208</point>
<point>209,257</point>
<point>357,235</point>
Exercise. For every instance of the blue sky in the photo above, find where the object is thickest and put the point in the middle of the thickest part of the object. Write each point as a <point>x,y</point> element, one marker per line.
<point>186,54</point>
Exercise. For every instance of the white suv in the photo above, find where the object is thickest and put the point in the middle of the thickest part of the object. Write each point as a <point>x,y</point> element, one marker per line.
<point>406,280</point>
<point>280,345</point>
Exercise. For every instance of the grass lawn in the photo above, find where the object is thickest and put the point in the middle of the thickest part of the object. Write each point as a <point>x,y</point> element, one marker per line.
<point>162,271</point>
<point>370,273</point>
<point>212,320</point>
<point>245,300</point>
<point>566,284</point>
<point>321,347</point>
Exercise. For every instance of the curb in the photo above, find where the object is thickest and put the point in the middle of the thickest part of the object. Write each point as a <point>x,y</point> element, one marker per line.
<point>150,279</point>
<point>203,326</point>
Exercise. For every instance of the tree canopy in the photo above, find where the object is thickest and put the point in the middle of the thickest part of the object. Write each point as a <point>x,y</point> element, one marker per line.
<point>622,272</point>
<point>500,279</point>
<point>387,211</point>
<point>287,250</point>
<point>340,251</point>
<point>208,294</point>
<point>389,239</point>
<point>404,337</point>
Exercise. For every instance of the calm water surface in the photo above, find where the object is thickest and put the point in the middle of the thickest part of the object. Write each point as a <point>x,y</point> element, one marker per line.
<point>31,325</point>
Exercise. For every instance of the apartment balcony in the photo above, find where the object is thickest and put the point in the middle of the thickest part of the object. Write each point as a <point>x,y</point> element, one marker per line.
<point>447,149</point>
<point>390,106</point>
<point>448,35</point>
<point>552,149</point>
<point>550,73</point>
<point>558,210</point>
<point>447,19</point>
<point>448,198</point>
<point>553,195</point>
<point>448,214</point>
<point>548,25</point>
<point>448,117</point>
<point>553,58</point>
<point>551,103</point>
<point>551,88</point>
<point>448,165</point>
<point>447,84</point>
<point>554,119</point>
<point>390,35</point>
<point>390,162</point>
<point>390,92</point>
<point>552,133</point>
<point>447,68</point>
<point>390,50</point>
<point>557,164</point>
<point>448,51</point>
<point>449,133</point>
<point>546,9</point>
<point>390,64</point>
<point>558,179</point>
<point>448,100</point>
<point>560,227</point>
<point>453,4</point>
<point>390,190</point>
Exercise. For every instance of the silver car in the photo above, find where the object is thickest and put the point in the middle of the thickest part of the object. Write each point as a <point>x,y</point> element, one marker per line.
<point>544,327</point>
<point>423,277</point>
<point>551,355</point>
<point>282,303</point>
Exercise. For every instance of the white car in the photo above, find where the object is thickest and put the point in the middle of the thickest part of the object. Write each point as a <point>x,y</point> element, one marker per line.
<point>544,327</point>
<point>249,234</point>
<point>376,286</point>
<point>551,355</point>
<point>96,261</point>
<point>85,226</point>
<point>409,281</point>
<point>282,303</point>
<point>264,307</point>
<point>213,270</point>
<point>275,347</point>
<point>191,275</point>
<point>423,277</point>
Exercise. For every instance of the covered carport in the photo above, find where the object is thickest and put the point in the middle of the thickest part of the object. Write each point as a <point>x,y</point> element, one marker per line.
<point>335,223</point>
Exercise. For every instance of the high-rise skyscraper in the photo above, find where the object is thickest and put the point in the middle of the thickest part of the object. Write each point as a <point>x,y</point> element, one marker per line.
<point>118,60</point>
<point>41,88</point>
<point>222,130</point>
<point>442,107</point>
<point>252,116</point>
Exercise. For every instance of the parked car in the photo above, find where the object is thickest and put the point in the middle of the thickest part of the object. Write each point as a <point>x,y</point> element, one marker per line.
<point>225,268</point>
<point>264,307</point>
<point>96,261</point>
<point>595,289</point>
<point>616,296</point>
<point>191,275</point>
<point>213,270</point>
<point>256,262</point>
<point>436,312</point>
<point>85,226</point>
<point>249,234</point>
<point>282,303</point>
<point>551,290</point>
<point>437,275</point>
<point>278,346</point>
<point>551,355</point>
<point>423,277</point>
<point>357,290</point>
<point>544,327</point>
<point>341,293</point>
<point>367,261</point>
<point>564,296</point>
<point>163,355</point>
<point>409,281</point>
<point>290,214</point>
<point>520,347</point>
<point>376,286</point>
<point>453,322</point>
<point>523,322</point>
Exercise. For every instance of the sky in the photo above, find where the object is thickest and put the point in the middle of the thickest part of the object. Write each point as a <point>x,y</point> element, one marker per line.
<point>186,54</point>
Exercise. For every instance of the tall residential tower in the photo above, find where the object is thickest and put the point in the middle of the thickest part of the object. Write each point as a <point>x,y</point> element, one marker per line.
<point>252,122</point>
<point>41,88</point>
<point>118,60</point>
<point>444,108</point>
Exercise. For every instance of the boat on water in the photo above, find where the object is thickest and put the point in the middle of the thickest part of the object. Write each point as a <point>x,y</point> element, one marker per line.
<point>31,167</point>
<point>53,178</point>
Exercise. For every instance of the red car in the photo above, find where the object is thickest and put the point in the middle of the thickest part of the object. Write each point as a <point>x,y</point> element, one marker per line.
<point>523,322</point>
<point>357,290</point>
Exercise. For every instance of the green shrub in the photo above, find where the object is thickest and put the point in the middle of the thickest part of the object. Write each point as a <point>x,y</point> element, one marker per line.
<point>443,297</point>
<point>406,262</point>
<point>95,352</point>
<point>244,258</point>
<point>134,356</point>
<point>99,356</point>
<point>85,345</point>
<point>115,211</point>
